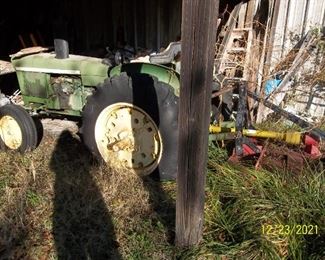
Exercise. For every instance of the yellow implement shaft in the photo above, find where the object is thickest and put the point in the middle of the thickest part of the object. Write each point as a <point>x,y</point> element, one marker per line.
<point>218,129</point>
<point>288,137</point>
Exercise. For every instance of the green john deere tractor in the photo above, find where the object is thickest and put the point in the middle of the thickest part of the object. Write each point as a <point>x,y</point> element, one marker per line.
<point>129,112</point>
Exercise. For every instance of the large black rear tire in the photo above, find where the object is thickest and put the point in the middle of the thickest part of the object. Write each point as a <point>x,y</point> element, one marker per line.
<point>18,131</point>
<point>136,113</point>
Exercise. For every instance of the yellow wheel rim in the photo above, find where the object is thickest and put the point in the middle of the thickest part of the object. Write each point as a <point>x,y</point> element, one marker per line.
<point>10,132</point>
<point>127,137</point>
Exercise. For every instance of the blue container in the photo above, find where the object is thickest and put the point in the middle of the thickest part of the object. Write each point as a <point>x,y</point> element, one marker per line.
<point>271,85</point>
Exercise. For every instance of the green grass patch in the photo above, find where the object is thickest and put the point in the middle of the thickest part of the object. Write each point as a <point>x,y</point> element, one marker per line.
<point>241,200</point>
<point>33,198</point>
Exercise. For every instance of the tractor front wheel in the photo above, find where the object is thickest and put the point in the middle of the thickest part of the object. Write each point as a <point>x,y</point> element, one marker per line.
<point>18,131</point>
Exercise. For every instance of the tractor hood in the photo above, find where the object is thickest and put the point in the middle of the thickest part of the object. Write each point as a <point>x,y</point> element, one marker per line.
<point>91,70</point>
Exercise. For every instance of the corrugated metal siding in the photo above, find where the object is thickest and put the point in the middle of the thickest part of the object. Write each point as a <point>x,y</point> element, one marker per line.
<point>295,19</point>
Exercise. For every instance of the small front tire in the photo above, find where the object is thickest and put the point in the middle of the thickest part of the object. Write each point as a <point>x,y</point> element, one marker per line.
<point>17,129</point>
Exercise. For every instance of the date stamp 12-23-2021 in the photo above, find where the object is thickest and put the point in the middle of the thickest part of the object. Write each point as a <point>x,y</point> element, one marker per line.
<point>286,230</point>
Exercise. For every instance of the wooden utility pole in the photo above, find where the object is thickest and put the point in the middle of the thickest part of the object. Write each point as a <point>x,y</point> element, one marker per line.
<point>199,22</point>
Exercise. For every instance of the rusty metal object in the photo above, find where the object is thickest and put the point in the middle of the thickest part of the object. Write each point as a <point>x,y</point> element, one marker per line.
<point>274,157</point>
<point>283,158</point>
<point>262,154</point>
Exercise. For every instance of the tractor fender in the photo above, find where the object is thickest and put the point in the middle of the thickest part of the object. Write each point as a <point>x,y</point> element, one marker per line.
<point>162,73</point>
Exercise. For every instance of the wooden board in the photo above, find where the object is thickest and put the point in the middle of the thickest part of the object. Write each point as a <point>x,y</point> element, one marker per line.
<point>6,67</point>
<point>198,38</point>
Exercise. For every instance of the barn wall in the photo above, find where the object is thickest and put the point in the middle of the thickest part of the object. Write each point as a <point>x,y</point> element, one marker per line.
<point>90,24</point>
<point>142,23</point>
<point>295,18</point>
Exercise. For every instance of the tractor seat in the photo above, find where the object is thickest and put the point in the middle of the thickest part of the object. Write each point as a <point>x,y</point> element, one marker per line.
<point>166,56</point>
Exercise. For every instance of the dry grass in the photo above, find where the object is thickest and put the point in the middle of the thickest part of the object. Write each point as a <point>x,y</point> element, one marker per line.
<point>58,203</point>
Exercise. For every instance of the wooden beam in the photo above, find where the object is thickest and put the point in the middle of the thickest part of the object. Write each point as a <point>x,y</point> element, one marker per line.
<point>135,26</point>
<point>242,16</point>
<point>6,67</point>
<point>158,24</point>
<point>271,36</point>
<point>231,24</point>
<point>250,11</point>
<point>199,20</point>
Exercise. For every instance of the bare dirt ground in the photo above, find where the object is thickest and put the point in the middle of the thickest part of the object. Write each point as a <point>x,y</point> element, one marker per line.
<point>55,127</point>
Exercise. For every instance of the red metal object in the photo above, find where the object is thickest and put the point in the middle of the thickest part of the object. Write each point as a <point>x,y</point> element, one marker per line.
<point>248,152</point>
<point>283,157</point>
<point>262,154</point>
<point>312,146</point>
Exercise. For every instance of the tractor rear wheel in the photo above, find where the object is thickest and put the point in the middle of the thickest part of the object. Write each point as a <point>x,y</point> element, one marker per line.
<point>132,122</point>
<point>17,129</point>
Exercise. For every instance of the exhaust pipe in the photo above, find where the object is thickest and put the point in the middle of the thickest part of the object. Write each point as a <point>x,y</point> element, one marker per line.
<point>61,48</point>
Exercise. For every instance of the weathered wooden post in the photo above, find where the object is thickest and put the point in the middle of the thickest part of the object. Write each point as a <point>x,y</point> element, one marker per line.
<point>199,20</point>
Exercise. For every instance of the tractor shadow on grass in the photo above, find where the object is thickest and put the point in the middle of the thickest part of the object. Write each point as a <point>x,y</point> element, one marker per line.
<point>162,205</point>
<point>154,98</point>
<point>82,225</point>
